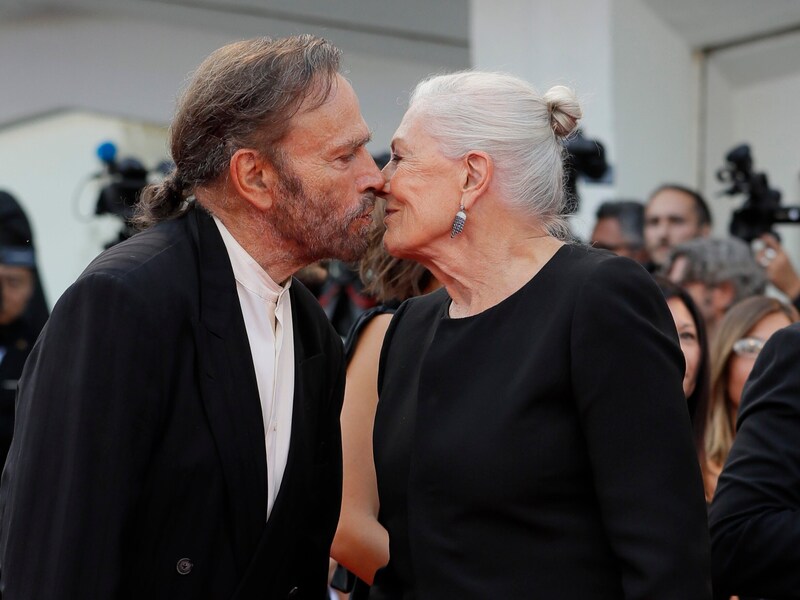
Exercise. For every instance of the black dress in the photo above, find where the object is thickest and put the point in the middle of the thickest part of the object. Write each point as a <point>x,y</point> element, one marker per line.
<point>542,448</point>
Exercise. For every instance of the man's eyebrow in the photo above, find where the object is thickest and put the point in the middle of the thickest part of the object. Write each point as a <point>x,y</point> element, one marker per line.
<point>357,142</point>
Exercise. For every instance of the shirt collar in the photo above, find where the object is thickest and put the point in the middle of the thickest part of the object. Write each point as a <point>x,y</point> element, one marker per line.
<point>247,271</point>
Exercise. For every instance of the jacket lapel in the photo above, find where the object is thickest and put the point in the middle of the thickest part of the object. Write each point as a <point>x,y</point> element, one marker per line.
<point>229,390</point>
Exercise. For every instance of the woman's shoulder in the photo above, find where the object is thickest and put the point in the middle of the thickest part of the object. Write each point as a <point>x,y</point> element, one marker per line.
<point>582,263</point>
<point>582,256</point>
<point>427,305</point>
<point>603,283</point>
<point>419,313</point>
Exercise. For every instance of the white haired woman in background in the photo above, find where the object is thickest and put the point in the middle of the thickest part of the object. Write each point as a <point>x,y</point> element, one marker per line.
<point>531,438</point>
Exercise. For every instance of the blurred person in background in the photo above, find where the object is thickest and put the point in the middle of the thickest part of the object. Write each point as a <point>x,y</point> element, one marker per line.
<point>694,344</point>
<point>717,273</point>
<point>673,214</point>
<point>741,335</point>
<point>23,310</point>
<point>620,229</point>
<point>361,543</point>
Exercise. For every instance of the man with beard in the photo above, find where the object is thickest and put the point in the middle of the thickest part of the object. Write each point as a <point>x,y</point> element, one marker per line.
<point>673,214</point>
<point>178,420</point>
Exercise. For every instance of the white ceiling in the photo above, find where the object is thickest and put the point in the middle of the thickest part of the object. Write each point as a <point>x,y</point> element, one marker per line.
<point>710,23</point>
<point>751,41</point>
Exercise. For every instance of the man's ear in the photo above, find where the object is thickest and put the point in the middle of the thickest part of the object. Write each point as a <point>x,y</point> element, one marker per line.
<point>705,230</point>
<point>478,172</point>
<point>253,178</point>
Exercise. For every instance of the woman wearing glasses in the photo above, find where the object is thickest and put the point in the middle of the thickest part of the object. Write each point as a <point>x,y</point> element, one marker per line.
<point>740,337</point>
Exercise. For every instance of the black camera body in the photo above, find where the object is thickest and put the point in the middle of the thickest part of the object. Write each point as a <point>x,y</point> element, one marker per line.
<point>126,179</point>
<point>119,197</point>
<point>762,207</point>
<point>585,157</point>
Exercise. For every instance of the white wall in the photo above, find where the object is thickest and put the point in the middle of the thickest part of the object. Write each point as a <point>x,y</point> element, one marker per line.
<point>766,116</point>
<point>718,128</point>
<point>119,77</point>
<point>655,87</point>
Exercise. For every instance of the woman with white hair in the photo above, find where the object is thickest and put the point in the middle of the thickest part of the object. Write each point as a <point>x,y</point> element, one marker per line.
<point>531,437</point>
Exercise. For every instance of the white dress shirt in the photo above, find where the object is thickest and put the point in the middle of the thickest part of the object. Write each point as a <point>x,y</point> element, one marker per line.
<point>267,312</point>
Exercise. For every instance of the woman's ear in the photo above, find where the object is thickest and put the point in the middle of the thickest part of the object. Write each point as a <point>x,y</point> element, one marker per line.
<point>479,169</point>
<point>253,178</point>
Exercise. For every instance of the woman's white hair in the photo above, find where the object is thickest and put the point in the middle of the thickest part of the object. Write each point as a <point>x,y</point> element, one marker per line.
<point>521,130</point>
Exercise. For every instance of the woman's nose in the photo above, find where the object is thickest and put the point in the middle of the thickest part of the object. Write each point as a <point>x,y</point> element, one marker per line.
<point>388,171</point>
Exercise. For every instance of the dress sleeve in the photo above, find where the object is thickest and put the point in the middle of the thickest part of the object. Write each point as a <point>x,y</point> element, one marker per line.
<point>627,372</point>
<point>755,515</point>
<point>89,407</point>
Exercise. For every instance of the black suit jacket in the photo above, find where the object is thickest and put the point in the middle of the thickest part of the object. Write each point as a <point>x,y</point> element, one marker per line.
<point>755,515</point>
<point>138,464</point>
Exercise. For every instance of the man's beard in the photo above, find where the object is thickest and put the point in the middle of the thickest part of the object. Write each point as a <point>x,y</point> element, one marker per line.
<point>306,220</point>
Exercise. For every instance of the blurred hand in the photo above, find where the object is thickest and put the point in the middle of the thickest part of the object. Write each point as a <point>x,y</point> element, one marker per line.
<point>778,267</point>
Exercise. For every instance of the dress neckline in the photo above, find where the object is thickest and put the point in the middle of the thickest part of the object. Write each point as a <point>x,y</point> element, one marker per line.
<point>445,314</point>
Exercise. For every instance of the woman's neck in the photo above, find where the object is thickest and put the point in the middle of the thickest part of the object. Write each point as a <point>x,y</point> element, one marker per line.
<point>480,275</point>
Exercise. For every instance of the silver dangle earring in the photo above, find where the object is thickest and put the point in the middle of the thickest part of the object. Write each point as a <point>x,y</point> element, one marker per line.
<point>458,222</point>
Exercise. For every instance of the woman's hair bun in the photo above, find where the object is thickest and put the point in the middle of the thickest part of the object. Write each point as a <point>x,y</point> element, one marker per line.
<point>564,109</point>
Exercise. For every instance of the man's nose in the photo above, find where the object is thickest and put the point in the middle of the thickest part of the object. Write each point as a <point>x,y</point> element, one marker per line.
<point>661,229</point>
<point>372,180</point>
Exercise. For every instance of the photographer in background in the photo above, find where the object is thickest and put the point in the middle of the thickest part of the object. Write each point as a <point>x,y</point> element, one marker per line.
<point>23,311</point>
<point>674,214</point>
